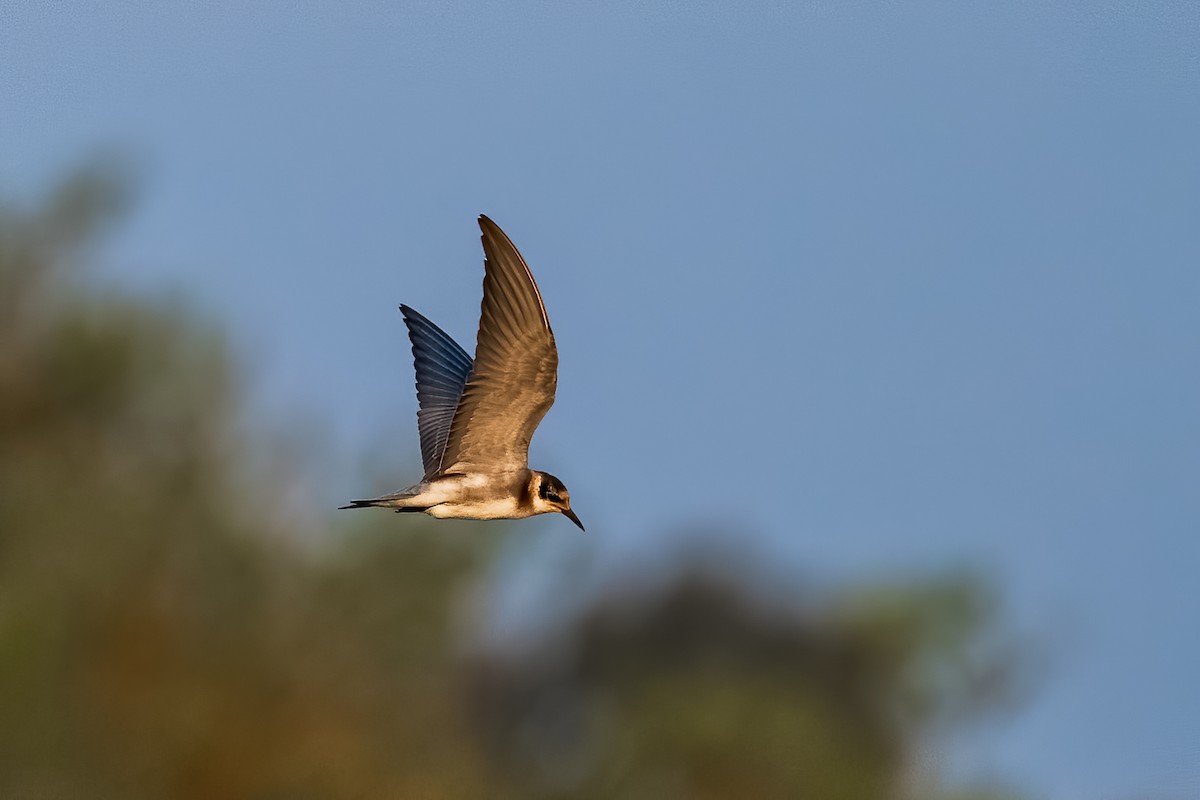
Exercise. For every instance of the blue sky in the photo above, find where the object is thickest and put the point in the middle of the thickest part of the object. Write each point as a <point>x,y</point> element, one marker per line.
<point>885,286</point>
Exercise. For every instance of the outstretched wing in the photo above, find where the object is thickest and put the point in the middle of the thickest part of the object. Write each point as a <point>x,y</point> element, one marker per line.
<point>442,369</point>
<point>511,386</point>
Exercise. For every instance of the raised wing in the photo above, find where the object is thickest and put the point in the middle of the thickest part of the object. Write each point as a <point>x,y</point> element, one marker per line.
<point>442,369</point>
<point>511,386</point>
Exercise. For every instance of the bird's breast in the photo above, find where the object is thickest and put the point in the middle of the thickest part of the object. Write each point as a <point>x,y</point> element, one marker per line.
<point>493,508</point>
<point>476,496</point>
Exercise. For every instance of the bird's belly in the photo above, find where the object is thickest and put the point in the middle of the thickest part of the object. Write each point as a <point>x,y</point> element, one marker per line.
<point>495,508</point>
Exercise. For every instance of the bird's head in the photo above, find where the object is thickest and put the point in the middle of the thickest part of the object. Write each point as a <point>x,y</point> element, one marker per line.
<point>549,495</point>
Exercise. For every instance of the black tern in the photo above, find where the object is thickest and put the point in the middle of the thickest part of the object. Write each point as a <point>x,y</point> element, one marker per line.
<point>476,418</point>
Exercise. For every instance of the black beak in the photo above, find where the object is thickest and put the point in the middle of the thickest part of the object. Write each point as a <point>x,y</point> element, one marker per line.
<point>569,514</point>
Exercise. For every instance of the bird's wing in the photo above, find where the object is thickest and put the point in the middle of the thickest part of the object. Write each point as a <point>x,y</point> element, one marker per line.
<point>511,386</point>
<point>442,369</point>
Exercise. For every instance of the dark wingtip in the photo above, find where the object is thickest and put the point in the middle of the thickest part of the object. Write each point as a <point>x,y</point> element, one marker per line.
<point>487,224</point>
<point>357,504</point>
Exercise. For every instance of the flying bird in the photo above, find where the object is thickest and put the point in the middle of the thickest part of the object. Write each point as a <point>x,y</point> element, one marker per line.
<point>476,418</point>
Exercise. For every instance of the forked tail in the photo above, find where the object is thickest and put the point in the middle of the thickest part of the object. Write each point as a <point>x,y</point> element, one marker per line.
<point>361,504</point>
<point>400,501</point>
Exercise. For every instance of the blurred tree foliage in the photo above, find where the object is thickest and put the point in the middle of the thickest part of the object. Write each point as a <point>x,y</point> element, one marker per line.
<point>162,635</point>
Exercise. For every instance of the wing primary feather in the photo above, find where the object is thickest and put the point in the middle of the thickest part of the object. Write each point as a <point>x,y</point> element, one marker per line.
<point>442,367</point>
<point>512,382</point>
